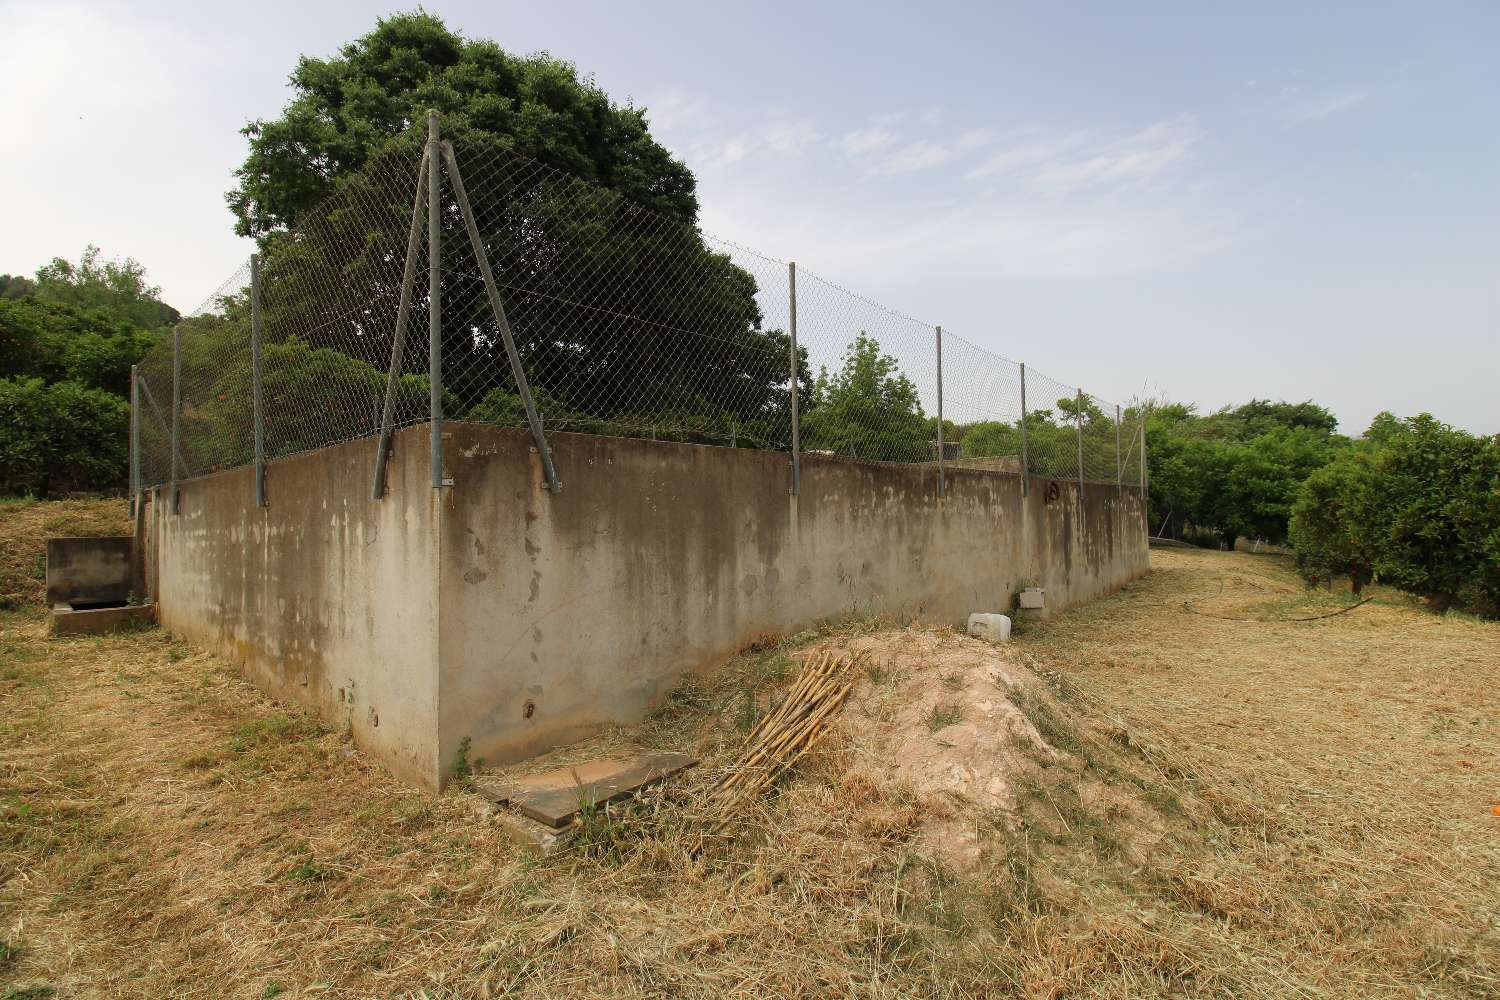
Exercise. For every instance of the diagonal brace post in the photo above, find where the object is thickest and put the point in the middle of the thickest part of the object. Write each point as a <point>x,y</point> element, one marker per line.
<point>161,422</point>
<point>522,385</point>
<point>398,342</point>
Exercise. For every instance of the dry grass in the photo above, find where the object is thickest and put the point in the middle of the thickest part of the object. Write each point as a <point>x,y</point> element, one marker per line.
<point>1236,810</point>
<point>1357,759</point>
<point>25,526</point>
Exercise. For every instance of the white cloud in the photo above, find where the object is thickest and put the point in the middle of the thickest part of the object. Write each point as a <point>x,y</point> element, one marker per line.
<point>974,138</point>
<point>1331,104</point>
<point>919,155</point>
<point>1026,154</point>
<point>866,140</point>
<point>788,137</point>
<point>1073,161</point>
<point>1050,208</point>
<point>791,136</point>
<point>674,111</point>
<point>1136,158</point>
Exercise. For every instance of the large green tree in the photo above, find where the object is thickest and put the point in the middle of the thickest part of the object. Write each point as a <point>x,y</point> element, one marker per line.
<point>868,409</point>
<point>620,310</point>
<point>56,342</point>
<point>1417,503</point>
<point>345,109</point>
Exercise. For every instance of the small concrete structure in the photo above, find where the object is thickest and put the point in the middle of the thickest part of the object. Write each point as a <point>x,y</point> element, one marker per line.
<point>1031,604</point>
<point>90,571</point>
<point>496,616</point>
<point>995,628</point>
<point>91,582</point>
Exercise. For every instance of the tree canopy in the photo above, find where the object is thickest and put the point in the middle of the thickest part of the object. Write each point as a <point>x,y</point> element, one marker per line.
<point>1235,472</point>
<point>68,337</point>
<point>346,108</point>
<point>867,409</point>
<point>1415,503</point>
<point>620,311</point>
<point>119,287</point>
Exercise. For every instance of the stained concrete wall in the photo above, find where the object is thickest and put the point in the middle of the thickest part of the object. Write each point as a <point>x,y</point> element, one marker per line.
<point>497,611</point>
<point>326,597</point>
<point>89,570</point>
<point>563,613</point>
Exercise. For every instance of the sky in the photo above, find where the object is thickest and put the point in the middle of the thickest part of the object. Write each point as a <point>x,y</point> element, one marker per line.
<point>1287,201</point>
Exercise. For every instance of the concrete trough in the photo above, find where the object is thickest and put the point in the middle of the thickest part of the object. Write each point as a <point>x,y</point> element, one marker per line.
<point>93,584</point>
<point>68,620</point>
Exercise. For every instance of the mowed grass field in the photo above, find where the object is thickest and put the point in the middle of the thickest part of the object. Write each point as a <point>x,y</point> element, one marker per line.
<point>1322,791</point>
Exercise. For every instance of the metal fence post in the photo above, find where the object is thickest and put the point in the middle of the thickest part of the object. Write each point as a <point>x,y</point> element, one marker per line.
<point>255,390</point>
<point>1119,463</point>
<point>1025,464</point>
<point>135,440</point>
<point>176,411</point>
<point>1078,422</point>
<point>1145,486</point>
<point>940,409</point>
<point>435,296</point>
<point>791,270</point>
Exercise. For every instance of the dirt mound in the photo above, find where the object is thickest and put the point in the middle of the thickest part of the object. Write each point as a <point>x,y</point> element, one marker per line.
<point>941,714</point>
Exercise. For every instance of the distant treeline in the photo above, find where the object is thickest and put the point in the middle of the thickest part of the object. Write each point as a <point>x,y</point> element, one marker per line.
<point>68,337</point>
<point>1412,503</point>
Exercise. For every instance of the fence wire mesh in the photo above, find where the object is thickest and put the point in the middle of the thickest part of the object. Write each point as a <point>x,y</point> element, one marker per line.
<point>627,320</point>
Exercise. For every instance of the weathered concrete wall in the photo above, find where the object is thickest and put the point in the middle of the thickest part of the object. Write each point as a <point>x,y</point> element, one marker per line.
<point>326,597</point>
<point>89,570</point>
<point>495,610</point>
<point>560,614</point>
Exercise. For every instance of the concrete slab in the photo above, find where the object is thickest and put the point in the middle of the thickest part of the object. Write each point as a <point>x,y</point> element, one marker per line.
<point>532,837</point>
<point>554,797</point>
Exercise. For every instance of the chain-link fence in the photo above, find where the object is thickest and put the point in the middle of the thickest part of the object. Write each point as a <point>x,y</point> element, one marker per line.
<point>621,318</point>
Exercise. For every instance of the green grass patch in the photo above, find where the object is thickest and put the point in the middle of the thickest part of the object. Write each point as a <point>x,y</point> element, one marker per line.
<point>273,731</point>
<point>943,716</point>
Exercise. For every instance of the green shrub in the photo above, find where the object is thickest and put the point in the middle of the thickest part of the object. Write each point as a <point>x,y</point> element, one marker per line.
<point>1418,504</point>
<point>58,343</point>
<point>61,438</point>
<point>1328,530</point>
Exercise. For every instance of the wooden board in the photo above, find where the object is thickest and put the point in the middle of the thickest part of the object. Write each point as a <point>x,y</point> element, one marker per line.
<point>555,797</point>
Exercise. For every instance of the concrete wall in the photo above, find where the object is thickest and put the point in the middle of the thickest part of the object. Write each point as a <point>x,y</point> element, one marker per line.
<point>326,597</point>
<point>90,570</point>
<point>561,614</point>
<point>497,611</point>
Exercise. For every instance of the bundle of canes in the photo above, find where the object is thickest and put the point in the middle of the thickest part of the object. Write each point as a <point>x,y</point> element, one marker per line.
<point>787,733</point>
